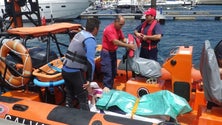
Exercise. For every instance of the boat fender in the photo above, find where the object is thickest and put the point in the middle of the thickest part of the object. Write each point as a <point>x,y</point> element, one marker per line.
<point>130,41</point>
<point>48,84</point>
<point>195,75</point>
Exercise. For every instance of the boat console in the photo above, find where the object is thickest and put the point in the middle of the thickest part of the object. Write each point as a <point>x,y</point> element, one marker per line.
<point>179,64</point>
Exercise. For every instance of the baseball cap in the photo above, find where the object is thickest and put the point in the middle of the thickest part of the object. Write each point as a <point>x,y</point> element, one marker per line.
<point>150,11</point>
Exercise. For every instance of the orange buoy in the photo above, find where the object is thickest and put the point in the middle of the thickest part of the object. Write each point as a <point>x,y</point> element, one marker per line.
<point>165,74</point>
<point>195,75</point>
<point>18,48</point>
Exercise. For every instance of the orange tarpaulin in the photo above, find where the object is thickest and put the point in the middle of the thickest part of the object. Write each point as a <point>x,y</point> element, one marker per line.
<point>44,30</point>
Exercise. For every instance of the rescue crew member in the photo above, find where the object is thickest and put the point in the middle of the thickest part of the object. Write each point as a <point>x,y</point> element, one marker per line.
<point>79,65</point>
<point>149,32</point>
<point>111,39</point>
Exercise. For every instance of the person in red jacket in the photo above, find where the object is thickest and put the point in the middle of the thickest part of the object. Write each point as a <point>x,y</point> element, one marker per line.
<point>112,38</point>
<point>149,32</point>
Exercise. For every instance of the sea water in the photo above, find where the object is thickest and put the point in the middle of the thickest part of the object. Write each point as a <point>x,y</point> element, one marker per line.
<point>175,33</point>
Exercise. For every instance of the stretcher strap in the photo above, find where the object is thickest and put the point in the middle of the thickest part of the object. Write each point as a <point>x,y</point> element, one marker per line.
<point>135,107</point>
<point>55,68</point>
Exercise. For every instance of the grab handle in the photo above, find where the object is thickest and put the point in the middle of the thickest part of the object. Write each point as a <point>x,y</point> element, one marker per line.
<point>20,107</point>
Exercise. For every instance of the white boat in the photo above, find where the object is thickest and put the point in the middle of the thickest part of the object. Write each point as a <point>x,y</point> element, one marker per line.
<point>209,2</point>
<point>158,2</point>
<point>58,9</point>
<point>136,6</point>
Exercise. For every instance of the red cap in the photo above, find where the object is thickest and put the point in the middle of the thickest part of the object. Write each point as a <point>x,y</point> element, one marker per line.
<point>150,11</point>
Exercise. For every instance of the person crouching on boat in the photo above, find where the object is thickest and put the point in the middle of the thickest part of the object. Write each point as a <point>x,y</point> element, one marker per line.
<point>149,32</point>
<point>79,65</point>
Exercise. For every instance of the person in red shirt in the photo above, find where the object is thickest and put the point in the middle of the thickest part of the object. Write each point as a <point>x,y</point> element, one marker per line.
<point>112,38</point>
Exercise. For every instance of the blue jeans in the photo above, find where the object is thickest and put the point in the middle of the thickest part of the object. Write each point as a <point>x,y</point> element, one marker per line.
<point>108,67</point>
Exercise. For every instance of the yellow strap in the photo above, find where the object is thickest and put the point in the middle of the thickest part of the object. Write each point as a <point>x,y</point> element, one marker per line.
<point>135,107</point>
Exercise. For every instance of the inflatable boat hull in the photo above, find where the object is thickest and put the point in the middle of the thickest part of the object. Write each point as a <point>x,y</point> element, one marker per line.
<point>32,112</point>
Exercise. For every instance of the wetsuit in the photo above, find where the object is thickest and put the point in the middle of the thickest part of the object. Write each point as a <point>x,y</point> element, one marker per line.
<point>79,68</point>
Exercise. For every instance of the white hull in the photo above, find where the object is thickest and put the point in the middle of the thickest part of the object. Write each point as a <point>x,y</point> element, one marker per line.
<point>158,3</point>
<point>209,1</point>
<point>59,9</point>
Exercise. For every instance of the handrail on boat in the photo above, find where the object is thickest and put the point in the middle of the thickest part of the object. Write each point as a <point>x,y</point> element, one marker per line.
<point>48,31</point>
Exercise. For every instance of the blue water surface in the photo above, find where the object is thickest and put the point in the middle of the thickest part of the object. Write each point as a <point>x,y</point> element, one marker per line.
<point>176,33</point>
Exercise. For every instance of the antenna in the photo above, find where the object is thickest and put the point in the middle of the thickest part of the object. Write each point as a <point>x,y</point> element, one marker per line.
<point>51,14</point>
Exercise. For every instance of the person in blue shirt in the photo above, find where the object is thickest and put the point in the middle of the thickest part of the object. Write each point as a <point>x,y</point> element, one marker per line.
<point>79,65</point>
<point>149,33</point>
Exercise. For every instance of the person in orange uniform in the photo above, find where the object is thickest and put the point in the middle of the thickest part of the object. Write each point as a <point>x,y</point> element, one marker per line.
<point>149,32</point>
<point>112,38</point>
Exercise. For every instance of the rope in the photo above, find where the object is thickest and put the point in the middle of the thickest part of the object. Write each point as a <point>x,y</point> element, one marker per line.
<point>135,107</point>
<point>18,53</point>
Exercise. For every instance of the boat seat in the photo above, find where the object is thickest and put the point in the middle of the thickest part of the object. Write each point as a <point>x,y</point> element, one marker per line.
<point>141,66</point>
<point>209,69</point>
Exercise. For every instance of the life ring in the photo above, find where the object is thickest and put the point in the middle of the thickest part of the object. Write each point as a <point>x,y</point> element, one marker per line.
<point>18,48</point>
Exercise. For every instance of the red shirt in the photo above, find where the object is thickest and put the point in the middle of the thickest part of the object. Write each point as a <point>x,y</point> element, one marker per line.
<point>110,34</point>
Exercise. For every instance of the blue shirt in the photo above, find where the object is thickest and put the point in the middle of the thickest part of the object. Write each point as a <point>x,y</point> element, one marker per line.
<point>90,48</point>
